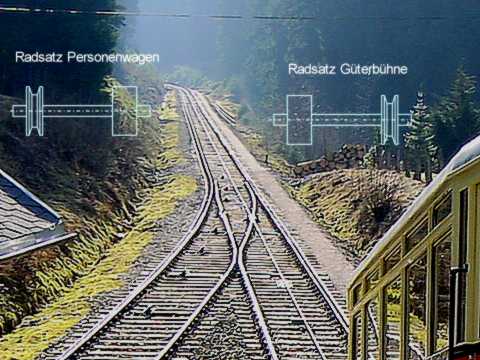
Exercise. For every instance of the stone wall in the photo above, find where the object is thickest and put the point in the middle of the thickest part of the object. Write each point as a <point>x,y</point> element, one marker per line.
<point>348,157</point>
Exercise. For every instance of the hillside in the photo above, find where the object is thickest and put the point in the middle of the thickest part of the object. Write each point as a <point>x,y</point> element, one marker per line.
<point>357,206</point>
<point>102,204</point>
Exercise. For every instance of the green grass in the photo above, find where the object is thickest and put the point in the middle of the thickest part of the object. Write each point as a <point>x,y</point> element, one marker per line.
<point>335,200</point>
<point>43,328</point>
<point>51,289</point>
<point>168,110</point>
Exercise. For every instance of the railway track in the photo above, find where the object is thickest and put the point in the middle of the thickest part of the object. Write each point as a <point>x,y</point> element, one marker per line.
<point>146,320</point>
<point>237,268</point>
<point>298,309</point>
<point>223,114</point>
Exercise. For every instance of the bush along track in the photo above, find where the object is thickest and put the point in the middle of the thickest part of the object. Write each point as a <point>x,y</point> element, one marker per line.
<point>254,138</point>
<point>51,291</point>
<point>356,206</point>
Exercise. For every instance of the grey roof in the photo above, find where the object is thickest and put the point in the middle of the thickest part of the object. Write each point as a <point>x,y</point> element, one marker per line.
<point>468,153</point>
<point>24,219</point>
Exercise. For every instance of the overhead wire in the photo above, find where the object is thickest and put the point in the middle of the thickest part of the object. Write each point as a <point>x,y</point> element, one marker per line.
<point>5,9</point>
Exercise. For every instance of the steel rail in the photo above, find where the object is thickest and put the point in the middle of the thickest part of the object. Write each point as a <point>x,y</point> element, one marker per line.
<point>224,165</point>
<point>258,313</point>
<point>200,218</point>
<point>319,283</point>
<point>259,231</point>
<point>223,113</point>
<point>284,280</point>
<point>214,291</point>
<point>222,281</point>
<point>272,351</point>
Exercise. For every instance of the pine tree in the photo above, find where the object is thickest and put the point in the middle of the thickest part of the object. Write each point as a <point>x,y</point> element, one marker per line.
<point>456,120</point>
<point>420,147</point>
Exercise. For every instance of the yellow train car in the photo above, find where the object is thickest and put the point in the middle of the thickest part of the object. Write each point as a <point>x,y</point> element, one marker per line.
<point>416,296</point>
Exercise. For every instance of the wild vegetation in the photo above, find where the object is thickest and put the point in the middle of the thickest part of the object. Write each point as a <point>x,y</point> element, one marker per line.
<point>357,206</point>
<point>106,189</point>
<point>254,56</point>
<point>437,134</point>
<point>103,275</point>
<point>103,210</point>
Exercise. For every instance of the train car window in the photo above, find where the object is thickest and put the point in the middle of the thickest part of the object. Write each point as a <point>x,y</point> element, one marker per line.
<point>357,337</point>
<point>372,280</point>
<point>373,328</point>
<point>392,259</point>
<point>461,285</point>
<point>442,210</point>
<point>417,308</point>
<point>393,317</point>
<point>357,293</point>
<point>417,235</point>
<point>442,263</point>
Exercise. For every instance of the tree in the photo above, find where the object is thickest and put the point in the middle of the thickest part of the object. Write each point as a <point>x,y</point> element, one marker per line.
<point>67,82</point>
<point>456,120</point>
<point>420,146</point>
<point>59,33</point>
<point>259,52</point>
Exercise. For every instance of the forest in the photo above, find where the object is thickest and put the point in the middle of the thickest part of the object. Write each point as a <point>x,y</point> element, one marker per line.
<point>437,46</point>
<point>435,40</point>
<point>85,144</point>
<point>243,50</point>
<point>251,57</point>
<point>91,178</point>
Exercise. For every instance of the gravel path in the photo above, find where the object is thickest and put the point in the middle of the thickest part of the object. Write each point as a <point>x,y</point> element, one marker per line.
<point>169,232</point>
<point>314,240</point>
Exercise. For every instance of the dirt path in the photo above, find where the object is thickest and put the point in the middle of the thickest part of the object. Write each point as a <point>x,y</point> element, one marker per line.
<point>306,232</point>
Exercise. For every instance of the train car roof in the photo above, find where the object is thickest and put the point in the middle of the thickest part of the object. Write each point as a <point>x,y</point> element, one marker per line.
<point>467,154</point>
<point>24,219</point>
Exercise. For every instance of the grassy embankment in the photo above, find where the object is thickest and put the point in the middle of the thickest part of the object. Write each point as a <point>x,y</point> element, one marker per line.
<point>252,138</point>
<point>357,206</point>
<point>51,291</point>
